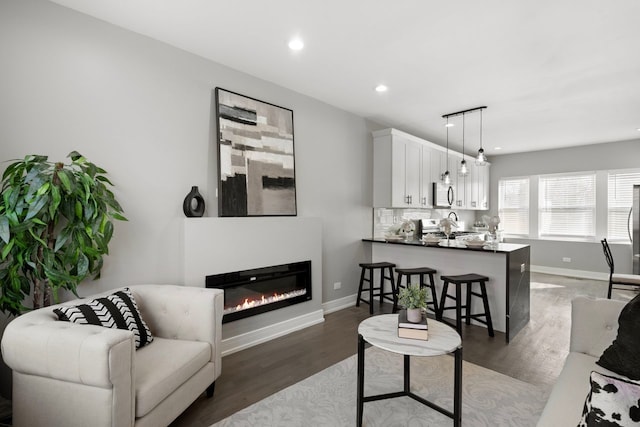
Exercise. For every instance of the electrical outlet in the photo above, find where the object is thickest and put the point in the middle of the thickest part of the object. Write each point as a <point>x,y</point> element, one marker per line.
<point>523,267</point>
<point>337,285</point>
<point>566,259</point>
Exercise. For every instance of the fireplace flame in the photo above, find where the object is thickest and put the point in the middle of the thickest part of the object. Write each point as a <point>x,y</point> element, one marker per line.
<point>263,300</point>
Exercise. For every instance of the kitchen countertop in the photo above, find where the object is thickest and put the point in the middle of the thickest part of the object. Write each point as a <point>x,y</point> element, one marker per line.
<point>501,247</point>
<point>507,267</point>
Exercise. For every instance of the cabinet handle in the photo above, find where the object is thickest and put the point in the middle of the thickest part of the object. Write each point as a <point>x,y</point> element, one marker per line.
<point>424,201</point>
<point>473,204</point>
<point>410,200</point>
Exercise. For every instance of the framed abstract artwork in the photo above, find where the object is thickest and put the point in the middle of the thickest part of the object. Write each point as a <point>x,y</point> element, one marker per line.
<point>256,168</point>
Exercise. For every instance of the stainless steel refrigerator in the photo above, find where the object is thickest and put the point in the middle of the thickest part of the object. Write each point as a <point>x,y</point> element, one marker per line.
<point>634,229</point>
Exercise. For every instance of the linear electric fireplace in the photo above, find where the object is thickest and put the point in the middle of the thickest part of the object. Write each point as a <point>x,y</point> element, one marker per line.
<point>255,291</point>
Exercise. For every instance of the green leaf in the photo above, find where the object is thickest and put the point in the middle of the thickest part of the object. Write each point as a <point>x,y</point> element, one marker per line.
<point>78,209</point>
<point>10,170</point>
<point>43,189</point>
<point>64,179</point>
<point>37,238</point>
<point>117,216</point>
<point>104,179</point>
<point>61,240</point>
<point>83,265</point>
<point>35,208</point>
<point>7,249</point>
<point>38,221</point>
<point>74,155</point>
<point>108,232</point>
<point>5,232</point>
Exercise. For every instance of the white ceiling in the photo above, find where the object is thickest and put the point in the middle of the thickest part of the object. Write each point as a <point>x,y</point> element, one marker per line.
<point>553,73</point>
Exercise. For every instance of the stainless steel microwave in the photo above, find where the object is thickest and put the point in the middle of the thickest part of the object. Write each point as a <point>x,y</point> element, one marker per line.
<point>443,196</point>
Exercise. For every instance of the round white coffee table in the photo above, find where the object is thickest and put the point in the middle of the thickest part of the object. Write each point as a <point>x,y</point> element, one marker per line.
<point>382,332</point>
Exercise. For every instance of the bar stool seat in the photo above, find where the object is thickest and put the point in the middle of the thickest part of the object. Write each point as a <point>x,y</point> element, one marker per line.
<point>386,272</point>
<point>469,280</point>
<point>422,272</point>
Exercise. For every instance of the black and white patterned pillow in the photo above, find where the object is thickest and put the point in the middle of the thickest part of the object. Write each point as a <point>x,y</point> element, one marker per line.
<point>612,402</point>
<point>118,311</point>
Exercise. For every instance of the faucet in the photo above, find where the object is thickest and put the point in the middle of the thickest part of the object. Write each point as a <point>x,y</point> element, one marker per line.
<point>455,216</point>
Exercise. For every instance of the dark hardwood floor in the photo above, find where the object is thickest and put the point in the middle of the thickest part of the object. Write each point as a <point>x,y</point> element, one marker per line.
<point>535,355</point>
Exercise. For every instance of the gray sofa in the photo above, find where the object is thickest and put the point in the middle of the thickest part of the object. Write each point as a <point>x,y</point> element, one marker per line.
<point>67,374</point>
<point>594,326</point>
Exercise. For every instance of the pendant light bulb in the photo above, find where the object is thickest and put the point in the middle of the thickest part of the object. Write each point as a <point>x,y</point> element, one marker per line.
<point>481,159</point>
<point>446,177</point>
<point>463,164</point>
<point>463,168</point>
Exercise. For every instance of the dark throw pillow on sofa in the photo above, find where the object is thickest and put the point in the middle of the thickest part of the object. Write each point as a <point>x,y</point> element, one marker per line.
<point>611,402</point>
<point>623,355</point>
<point>118,311</point>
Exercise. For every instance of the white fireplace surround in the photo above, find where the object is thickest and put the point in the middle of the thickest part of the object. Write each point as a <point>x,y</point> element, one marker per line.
<point>222,245</point>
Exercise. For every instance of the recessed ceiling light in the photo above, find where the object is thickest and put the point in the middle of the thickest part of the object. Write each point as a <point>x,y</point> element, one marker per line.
<point>497,148</point>
<point>381,88</point>
<point>449,125</point>
<point>296,44</point>
<point>638,129</point>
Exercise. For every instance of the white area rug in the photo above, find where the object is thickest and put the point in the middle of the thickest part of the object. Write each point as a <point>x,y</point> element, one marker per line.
<point>329,397</point>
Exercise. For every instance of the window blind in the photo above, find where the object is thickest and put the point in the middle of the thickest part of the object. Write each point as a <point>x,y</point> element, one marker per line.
<point>620,199</point>
<point>513,205</point>
<point>567,205</point>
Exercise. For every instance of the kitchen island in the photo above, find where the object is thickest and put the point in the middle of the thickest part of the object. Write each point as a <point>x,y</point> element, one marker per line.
<point>506,265</point>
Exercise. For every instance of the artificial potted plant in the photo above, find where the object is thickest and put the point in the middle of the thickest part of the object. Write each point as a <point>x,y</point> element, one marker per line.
<point>55,227</point>
<point>414,299</point>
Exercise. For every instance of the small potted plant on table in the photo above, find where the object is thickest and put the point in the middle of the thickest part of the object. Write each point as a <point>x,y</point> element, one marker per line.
<point>414,299</point>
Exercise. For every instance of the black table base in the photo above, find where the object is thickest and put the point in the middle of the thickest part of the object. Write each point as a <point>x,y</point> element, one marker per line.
<point>456,415</point>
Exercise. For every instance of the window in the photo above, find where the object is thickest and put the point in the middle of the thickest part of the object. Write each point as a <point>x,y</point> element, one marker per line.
<point>567,205</point>
<point>620,200</point>
<point>513,205</point>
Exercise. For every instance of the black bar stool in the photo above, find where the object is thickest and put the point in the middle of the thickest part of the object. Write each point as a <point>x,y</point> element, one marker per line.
<point>469,280</point>
<point>422,272</point>
<point>383,267</point>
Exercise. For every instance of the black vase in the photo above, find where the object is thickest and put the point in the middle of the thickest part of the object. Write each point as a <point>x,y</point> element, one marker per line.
<point>187,206</point>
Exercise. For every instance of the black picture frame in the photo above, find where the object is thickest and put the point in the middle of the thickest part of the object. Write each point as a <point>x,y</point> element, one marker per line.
<point>256,161</point>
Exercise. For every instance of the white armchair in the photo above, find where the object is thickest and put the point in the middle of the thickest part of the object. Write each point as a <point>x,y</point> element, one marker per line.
<point>67,374</point>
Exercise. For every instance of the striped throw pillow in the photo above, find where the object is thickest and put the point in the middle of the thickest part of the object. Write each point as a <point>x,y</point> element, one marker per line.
<point>117,311</point>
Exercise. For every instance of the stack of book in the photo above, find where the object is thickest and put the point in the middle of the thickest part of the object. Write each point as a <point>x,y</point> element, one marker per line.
<point>417,331</point>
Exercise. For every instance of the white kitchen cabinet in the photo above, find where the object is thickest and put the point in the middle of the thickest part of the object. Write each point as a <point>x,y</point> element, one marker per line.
<point>483,186</point>
<point>479,187</point>
<point>396,172</point>
<point>426,191</point>
<point>405,168</point>
<point>463,187</point>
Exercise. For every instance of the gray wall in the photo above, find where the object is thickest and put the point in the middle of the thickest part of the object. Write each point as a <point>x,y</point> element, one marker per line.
<point>142,110</point>
<point>585,256</point>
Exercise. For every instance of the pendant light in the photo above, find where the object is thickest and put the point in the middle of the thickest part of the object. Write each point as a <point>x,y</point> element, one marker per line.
<point>446,177</point>
<point>463,164</point>
<point>481,159</point>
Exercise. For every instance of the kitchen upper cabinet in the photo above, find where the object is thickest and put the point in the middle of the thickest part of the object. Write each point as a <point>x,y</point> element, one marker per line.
<point>463,187</point>
<point>397,171</point>
<point>405,168</point>
<point>483,186</point>
<point>426,190</point>
<point>479,187</point>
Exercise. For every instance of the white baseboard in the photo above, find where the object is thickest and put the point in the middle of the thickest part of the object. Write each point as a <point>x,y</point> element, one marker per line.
<point>249,339</point>
<point>339,304</point>
<point>582,274</point>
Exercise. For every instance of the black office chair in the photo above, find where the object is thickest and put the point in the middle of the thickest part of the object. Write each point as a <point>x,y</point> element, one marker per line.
<point>617,279</point>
